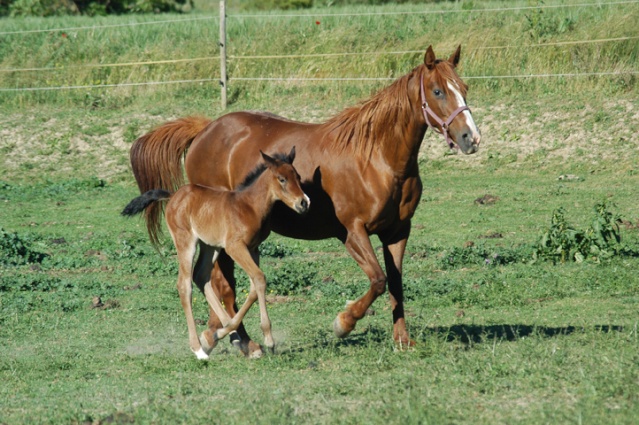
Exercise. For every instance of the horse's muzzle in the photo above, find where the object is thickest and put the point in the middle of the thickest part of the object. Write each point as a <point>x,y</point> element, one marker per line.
<point>469,143</point>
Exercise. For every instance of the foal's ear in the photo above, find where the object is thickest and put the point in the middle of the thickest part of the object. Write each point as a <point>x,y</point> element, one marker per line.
<point>269,161</point>
<point>454,58</point>
<point>291,156</point>
<point>429,58</point>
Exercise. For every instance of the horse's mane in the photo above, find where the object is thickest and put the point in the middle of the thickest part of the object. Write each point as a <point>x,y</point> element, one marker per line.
<point>254,174</point>
<point>361,127</point>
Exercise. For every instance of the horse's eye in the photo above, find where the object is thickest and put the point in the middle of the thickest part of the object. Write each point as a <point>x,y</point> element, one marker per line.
<point>282,180</point>
<point>437,92</point>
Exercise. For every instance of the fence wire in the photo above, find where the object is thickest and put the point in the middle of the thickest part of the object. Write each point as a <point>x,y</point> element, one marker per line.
<point>302,56</point>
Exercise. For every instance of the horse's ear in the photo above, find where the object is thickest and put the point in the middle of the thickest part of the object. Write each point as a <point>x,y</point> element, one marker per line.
<point>269,161</point>
<point>291,156</point>
<point>429,58</point>
<point>454,58</point>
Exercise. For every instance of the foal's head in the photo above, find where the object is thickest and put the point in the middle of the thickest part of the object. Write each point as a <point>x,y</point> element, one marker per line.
<point>285,182</point>
<point>443,96</point>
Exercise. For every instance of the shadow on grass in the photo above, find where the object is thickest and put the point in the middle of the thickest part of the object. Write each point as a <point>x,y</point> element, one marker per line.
<point>477,333</point>
<point>466,334</point>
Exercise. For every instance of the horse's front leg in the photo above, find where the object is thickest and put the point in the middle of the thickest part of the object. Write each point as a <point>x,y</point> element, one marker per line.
<point>359,246</point>
<point>393,258</point>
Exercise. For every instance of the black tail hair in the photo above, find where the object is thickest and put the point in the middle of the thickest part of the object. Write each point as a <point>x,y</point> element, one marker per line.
<point>140,203</point>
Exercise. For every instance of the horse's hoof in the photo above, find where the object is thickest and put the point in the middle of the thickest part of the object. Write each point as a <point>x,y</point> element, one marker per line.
<point>208,341</point>
<point>343,324</point>
<point>254,350</point>
<point>404,343</point>
<point>200,354</point>
<point>250,349</point>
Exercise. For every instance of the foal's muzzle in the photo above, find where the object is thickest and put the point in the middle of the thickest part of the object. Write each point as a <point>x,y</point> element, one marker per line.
<point>303,205</point>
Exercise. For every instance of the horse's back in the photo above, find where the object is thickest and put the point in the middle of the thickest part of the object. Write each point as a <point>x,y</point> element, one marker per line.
<point>228,149</point>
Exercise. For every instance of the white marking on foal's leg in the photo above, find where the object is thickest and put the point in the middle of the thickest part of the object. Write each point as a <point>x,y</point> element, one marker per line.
<point>200,354</point>
<point>470,122</point>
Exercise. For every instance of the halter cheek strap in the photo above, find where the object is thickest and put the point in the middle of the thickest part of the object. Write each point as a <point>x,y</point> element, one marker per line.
<point>443,124</point>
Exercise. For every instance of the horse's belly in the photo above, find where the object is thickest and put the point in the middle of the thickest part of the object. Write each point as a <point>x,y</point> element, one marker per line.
<point>315,225</point>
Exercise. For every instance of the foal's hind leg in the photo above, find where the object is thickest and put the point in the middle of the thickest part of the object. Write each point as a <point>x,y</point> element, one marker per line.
<point>185,245</point>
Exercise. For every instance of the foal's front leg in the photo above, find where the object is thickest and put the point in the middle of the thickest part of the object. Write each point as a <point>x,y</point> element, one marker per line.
<point>248,262</point>
<point>223,284</point>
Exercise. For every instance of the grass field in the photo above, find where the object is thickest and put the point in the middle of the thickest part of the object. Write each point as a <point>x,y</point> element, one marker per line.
<point>501,338</point>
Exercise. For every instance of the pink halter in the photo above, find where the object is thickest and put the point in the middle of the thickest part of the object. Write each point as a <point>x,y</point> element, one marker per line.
<point>443,124</point>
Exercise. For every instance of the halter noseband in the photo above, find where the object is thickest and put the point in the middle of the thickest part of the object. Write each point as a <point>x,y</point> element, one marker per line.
<point>443,124</point>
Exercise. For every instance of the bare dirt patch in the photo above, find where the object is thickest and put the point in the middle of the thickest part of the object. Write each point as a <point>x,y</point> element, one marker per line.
<point>535,133</point>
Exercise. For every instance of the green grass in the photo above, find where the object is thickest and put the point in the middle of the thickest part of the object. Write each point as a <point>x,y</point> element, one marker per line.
<point>500,339</point>
<point>496,344</point>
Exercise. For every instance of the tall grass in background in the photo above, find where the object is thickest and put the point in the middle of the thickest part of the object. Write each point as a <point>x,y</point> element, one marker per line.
<point>495,44</point>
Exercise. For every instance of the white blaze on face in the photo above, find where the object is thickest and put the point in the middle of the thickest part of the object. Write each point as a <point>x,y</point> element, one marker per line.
<point>466,114</point>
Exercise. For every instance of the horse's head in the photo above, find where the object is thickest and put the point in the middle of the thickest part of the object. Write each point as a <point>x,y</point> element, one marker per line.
<point>443,97</point>
<point>286,182</point>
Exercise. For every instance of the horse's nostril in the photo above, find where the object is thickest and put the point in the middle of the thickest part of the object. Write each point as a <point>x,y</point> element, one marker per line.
<point>304,204</point>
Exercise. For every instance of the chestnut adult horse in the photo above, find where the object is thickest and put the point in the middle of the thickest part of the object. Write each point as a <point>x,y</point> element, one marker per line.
<point>359,169</point>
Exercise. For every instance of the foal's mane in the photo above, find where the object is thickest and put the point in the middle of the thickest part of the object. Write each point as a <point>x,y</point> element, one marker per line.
<point>259,169</point>
<point>364,127</point>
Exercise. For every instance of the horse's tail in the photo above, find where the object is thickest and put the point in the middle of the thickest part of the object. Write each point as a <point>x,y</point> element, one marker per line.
<point>142,202</point>
<point>156,160</point>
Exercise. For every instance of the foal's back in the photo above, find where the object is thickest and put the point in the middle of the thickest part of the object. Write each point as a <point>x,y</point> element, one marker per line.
<point>211,215</point>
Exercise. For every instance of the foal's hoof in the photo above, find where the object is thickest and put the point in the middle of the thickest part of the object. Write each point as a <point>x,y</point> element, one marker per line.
<point>343,324</point>
<point>208,341</point>
<point>200,354</point>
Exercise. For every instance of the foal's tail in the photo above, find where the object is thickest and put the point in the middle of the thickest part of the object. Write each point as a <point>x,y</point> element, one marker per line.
<point>156,160</point>
<point>142,202</point>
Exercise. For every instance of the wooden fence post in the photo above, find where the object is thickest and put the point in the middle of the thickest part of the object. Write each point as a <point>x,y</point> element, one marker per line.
<point>223,78</point>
